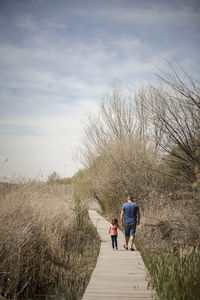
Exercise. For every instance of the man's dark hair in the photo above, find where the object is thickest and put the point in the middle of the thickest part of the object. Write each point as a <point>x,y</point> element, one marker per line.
<point>130,197</point>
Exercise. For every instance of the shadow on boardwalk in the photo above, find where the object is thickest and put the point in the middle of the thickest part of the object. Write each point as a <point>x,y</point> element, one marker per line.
<point>118,274</point>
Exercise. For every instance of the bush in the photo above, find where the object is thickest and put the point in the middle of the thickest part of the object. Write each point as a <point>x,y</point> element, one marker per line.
<point>43,248</point>
<point>117,157</point>
<point>175,274</point>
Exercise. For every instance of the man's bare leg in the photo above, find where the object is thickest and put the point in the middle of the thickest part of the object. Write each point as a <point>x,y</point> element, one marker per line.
<point>132,240</point>
<point>126,240</point>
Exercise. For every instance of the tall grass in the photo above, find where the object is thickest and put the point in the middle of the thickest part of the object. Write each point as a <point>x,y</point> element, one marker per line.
<point>174,273</point>
<point>47,244</point>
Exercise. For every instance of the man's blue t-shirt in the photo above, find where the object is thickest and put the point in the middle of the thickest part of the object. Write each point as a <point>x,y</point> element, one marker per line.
<point>130,212</point>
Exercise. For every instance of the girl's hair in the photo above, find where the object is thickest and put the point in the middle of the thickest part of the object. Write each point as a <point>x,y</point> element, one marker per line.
<point>114,221</point>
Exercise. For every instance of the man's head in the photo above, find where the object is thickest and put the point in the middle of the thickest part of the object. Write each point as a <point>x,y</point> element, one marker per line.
<point>130,198</point>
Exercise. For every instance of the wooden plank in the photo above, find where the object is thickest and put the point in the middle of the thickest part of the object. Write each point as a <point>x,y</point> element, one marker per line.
<point>118,274</point>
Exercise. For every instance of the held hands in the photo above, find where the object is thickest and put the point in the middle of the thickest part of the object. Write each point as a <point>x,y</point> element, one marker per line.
<point>138,223</point>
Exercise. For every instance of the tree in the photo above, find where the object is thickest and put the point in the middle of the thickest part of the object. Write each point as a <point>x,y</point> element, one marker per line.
<point>115,151</point>
<point>173,111</point>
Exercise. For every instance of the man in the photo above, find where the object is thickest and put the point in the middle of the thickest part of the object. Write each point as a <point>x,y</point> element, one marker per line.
<point>130,217</point>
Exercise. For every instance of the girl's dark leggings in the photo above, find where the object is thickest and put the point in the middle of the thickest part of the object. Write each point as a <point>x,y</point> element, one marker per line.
<point>114,241</point>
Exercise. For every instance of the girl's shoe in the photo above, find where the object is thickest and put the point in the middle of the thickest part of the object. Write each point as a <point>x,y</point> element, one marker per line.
<point>125,247</point>
<point>113,249</point>
<point>116,248</point>
<point>132,249</point>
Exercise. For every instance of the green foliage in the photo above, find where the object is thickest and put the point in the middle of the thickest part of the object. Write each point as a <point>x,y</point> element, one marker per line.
<point>81,184</point>
<point>53,178</point>
<point>67,180</point>
<point>196,184</point>
<point>175,274</point>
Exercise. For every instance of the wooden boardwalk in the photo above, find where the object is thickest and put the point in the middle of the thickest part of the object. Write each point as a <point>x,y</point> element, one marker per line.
<point>118,275</point>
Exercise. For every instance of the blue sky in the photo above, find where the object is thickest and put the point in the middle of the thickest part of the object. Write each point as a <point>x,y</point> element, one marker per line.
<point>59,57</point>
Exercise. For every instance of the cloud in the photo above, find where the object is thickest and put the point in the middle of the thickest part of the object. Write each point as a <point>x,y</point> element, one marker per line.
<point>142,13</point>
<point>64,118</point>
<point>41,145</point>
<point>37,155</point>
<point>57,59</point>
<point>26,22</point>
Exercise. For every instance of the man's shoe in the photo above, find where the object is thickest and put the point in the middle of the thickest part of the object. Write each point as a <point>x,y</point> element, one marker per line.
<point>125,247</point>
<point>132,249</point>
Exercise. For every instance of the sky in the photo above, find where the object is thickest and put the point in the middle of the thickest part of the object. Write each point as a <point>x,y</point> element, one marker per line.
<point>59,57</point>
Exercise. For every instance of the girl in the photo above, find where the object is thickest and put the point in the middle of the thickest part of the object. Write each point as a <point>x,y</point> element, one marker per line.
<point>113,232</point>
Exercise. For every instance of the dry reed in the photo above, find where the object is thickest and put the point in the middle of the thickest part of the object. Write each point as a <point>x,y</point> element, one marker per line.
<point>47,244</point>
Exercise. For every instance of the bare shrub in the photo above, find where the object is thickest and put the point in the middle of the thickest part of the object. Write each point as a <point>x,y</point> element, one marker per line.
<point>118,158</point>
<point>173,114</point>
<point>170,219</point>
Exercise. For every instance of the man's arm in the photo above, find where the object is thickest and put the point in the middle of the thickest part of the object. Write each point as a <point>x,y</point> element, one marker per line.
<point>122,218</point>
<point>138,217</point>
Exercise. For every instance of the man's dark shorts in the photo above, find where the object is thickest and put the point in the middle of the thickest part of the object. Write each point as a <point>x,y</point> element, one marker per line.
<point>130,229</point>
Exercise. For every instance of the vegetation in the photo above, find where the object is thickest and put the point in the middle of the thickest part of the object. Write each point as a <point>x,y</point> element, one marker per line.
<point>147,143</point>
<point>175,274</point>
<point>54,178</point>
<point>114,155</point>
<point>47,244</point>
